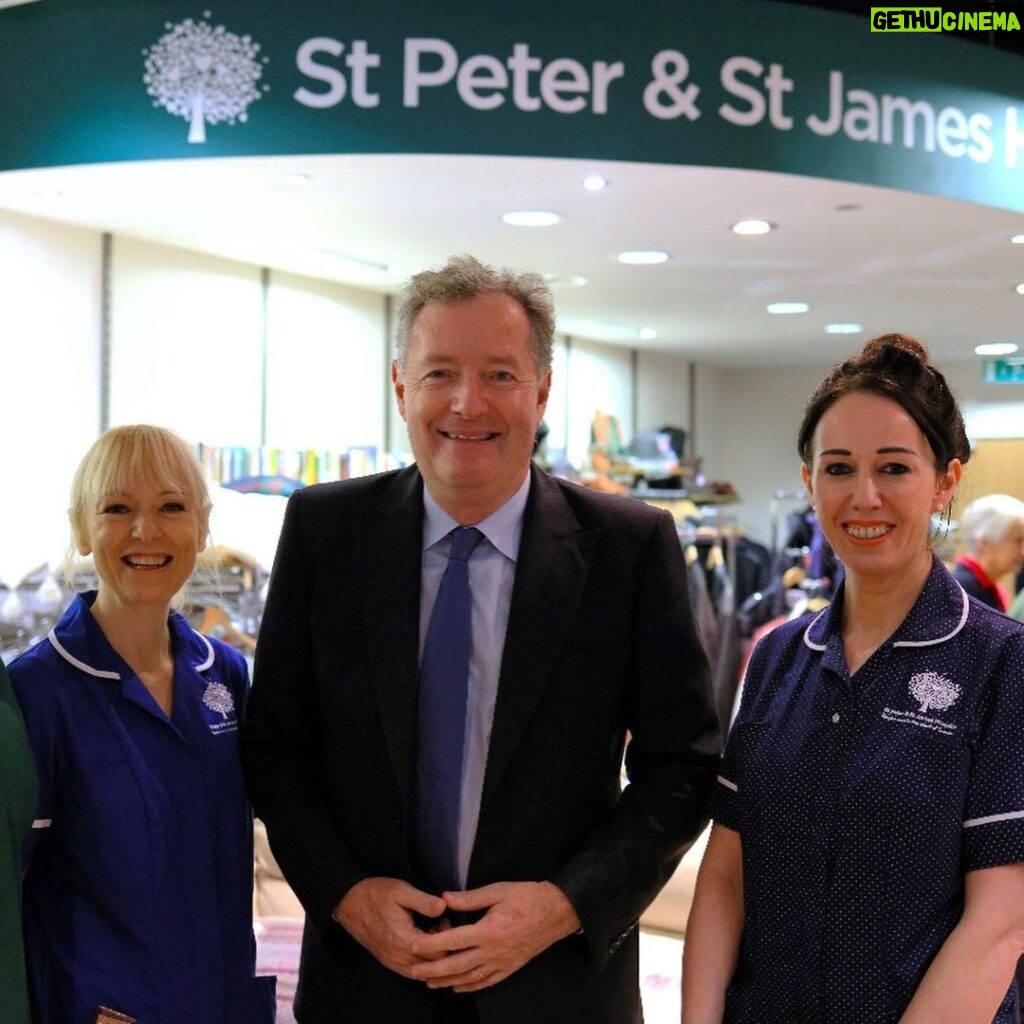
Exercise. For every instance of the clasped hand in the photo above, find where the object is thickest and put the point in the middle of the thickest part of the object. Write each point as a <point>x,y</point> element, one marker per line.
<point>519,920</point>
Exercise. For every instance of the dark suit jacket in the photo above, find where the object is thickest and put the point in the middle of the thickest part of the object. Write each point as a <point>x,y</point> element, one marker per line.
<point>600,641</point>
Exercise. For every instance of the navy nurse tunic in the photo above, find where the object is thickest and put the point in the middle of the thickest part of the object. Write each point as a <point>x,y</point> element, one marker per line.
<point>138,896</point>
<point>861,803</point>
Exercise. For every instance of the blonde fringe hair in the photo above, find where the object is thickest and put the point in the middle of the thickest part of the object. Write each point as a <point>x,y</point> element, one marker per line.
<point>156,454</point>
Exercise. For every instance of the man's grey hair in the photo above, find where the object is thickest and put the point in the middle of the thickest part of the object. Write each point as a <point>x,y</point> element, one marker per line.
<point>465,277</point>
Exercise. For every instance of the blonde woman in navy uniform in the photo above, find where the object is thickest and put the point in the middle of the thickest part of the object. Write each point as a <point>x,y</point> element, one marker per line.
<point>138,895</point>
<point>865,864</point>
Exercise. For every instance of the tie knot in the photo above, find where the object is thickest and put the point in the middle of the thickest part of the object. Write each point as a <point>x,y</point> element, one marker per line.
<point>464,541</point>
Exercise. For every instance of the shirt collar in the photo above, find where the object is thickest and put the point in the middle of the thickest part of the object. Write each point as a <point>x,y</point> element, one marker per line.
<point>78,639</point>
<point>938,614</point>
<point>503,528</point>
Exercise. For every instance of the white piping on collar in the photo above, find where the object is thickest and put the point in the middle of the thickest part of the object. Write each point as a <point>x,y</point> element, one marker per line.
<point>202,666</point>
<point>902,643</point>
<point>948,636</point>
<point>67,656</point>
<point>807,632</point>
<point>210,653</point>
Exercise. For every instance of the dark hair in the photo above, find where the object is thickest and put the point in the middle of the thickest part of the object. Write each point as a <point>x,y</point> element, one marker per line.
<point>894,366</point>
<point>465,277</point>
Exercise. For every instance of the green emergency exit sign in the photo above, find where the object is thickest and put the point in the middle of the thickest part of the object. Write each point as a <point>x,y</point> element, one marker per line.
<point>1003,371</point>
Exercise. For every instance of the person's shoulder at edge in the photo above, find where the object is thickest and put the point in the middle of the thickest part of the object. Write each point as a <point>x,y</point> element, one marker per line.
<point>991,622</point>
<point>32,671</point>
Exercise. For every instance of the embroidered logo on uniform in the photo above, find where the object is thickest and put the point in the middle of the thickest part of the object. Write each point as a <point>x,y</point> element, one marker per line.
<point>217,697</point>
<point>933,692</point>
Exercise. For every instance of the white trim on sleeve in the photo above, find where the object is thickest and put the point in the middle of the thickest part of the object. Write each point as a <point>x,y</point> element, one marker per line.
<point>42,823</point>
<point>990,818</point>
<point>728,785</point>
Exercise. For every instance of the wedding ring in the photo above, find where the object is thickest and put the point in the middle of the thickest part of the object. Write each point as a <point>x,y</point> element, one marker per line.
<point>479,972</point>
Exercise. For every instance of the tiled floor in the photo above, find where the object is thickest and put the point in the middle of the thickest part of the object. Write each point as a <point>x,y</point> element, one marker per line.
<point>278,948</point>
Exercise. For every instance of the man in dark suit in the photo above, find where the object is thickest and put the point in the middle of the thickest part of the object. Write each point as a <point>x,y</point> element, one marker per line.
<point>582,643</point>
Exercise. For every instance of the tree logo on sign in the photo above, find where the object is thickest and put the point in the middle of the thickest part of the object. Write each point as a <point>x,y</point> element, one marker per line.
<point>204,74</point>
<point>933,691</point>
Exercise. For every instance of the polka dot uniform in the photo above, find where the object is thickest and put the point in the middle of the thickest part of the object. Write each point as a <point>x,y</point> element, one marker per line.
<point>861,803</point>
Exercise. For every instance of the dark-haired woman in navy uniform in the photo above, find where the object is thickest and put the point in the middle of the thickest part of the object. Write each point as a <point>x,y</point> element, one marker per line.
<point>867,858</point>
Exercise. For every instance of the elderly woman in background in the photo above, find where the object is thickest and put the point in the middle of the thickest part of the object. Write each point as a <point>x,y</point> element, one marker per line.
<point>138,894</point>
<point>992,531</point>
<point>17,807</point>
<point>867,858</point>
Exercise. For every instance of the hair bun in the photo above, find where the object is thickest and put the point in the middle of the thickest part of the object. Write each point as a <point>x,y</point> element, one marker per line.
<point>897,367</point>
<point>882,349</point>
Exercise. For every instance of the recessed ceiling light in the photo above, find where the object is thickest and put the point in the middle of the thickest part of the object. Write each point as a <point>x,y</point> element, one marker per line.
<point>787,308</point>
<point>995,348</point>
<point>1018,239</point>
<point>1020,288</point>
<point>594,183</point>
<point>599,330</point>
<point>357,262</point>
<point>752,227</point>
<point>843,328</point>
<point>565,280</point>
<point>531,218</point>
<point>642,257</point>
<point>648,333</point>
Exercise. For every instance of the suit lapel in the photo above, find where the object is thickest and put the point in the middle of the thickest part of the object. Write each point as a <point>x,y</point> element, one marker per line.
<point>391,596</point>
<point>554,558</point>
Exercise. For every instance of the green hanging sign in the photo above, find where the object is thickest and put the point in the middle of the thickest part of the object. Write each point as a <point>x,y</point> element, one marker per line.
<point>754,84</point>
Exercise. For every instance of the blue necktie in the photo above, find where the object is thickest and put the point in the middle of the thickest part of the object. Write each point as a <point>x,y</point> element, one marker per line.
<point>444,684</point>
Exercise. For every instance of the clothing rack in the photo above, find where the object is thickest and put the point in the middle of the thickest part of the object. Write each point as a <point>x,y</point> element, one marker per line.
<point>780,498</point>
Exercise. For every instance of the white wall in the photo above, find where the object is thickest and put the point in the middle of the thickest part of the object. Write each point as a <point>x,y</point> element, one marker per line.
<point>557,414</point>
<point>598,378</point>
<point>326,356</point>
<point>186,333</point>
<point>758,414</point>
<point>662,391</point>
<point>708,439</point>
<point>50,338</point>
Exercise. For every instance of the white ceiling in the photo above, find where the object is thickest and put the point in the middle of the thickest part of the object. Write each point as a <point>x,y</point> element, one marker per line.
<point>941,269</point>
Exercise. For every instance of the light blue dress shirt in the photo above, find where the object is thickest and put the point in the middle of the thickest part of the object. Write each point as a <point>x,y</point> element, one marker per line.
<point>492,570</point>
